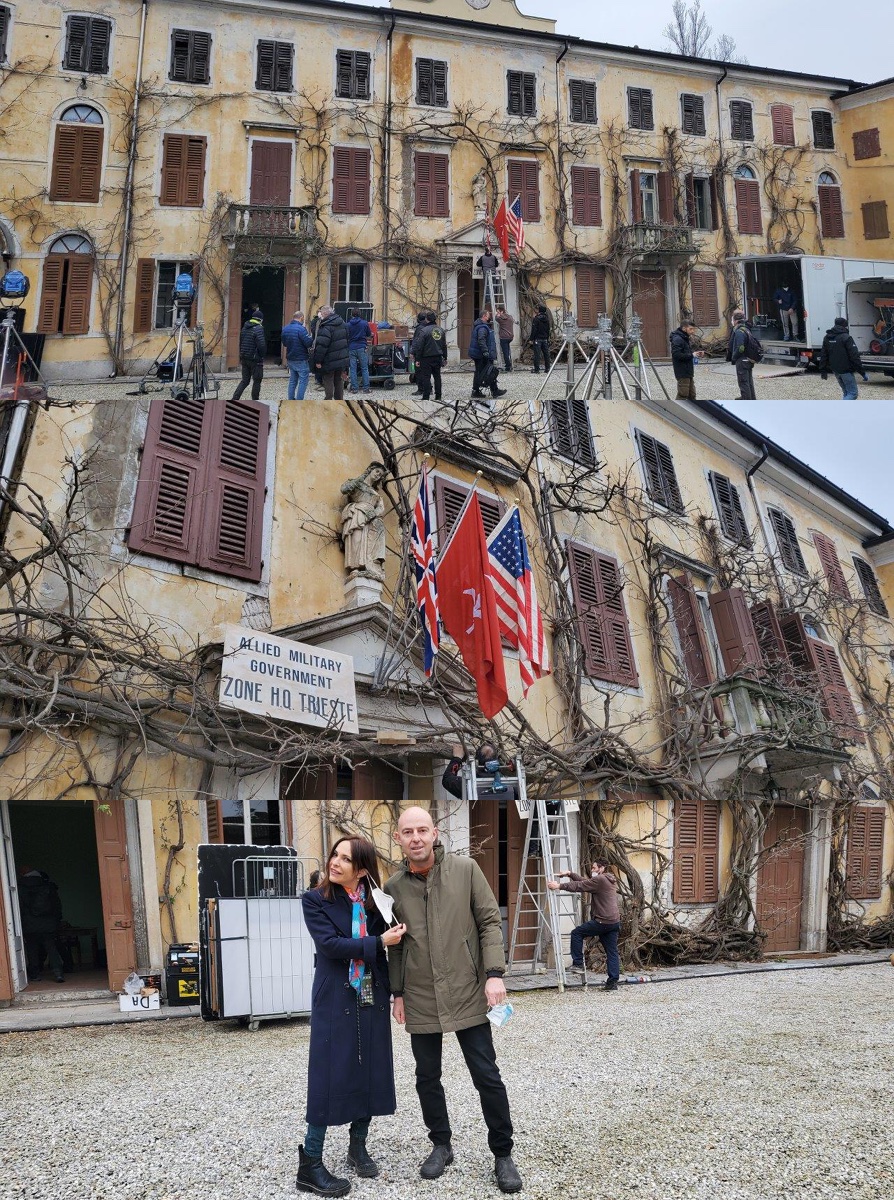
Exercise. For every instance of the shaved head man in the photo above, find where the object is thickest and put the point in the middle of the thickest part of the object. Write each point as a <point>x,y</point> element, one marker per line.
<point>445,974</point>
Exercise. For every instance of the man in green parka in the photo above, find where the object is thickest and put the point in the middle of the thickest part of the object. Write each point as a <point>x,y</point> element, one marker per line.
<point>445,974</point>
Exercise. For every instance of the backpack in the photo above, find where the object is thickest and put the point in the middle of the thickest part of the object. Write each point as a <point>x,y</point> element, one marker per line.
<point>753,349</point>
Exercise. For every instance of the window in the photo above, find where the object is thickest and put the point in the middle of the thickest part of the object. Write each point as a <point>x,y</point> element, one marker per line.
<point>875,219</point>
<point>582,101</point>
<point>432,175</point>
<point>590,287</point>
<point>639,108</point>
<point>164,295</point>
<point>693,110</point>
<point>830,211</point>
<point>823,133</point>
<point>5,14</point>
<point>351,283</point>
<point>816,658</point>
<point>602,625</point>
<point>352,68</point>
<point>190,56</point>
<point>787,542</point>
<point>521,93</point>
<point>77,156</point>
<point>736,632</point>
<point>182,171</point>
<point>431,82</point>
<point>729,509</point>
<point>748,201</point>
<point>831,565</point>
<point>200,494</point>
<point>274,72</point>
<point>705,302</point>
<point>691,635</point>
<point>524,181</point>
<point>865,843</point>
<point>67,286</point>
<point>450,496</point>
<point>87,42</point>
<point>586,196</point>
<point>741,121</point>
<point>869,584</point>
<point>867,144</point>
<point>245,820</point>
<point>696,851</point>
<point>350,179</point>
<point>782,119</point>
<point>658,468</point>
<point>701,202</point>
<point>648,198</point>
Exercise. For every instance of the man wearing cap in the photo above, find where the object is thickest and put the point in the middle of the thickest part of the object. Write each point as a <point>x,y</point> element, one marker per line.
<point>840,355</point>
<point>252,352</point>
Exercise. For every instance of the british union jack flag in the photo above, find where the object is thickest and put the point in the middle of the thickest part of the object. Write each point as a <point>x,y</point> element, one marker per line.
<point>426,575</point>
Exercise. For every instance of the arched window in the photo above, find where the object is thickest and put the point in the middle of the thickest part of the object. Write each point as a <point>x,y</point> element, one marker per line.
<point>748,200</point>
<point>77,156</point>
<point>830,210</point>
<point>67,286</point>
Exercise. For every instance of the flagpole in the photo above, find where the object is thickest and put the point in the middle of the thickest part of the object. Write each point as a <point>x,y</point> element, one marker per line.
<point>468,500</point>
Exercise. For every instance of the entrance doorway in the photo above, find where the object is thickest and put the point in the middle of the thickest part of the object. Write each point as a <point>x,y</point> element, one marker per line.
<point>275,290</point>
<point>650,303</point>
<point>780,879</point>
<point>469,298</point>
<point>497,836</point>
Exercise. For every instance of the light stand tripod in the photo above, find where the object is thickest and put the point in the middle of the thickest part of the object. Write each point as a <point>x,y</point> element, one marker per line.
<point>187,374</point>
<point>641,359</point>
<point>12,428</point>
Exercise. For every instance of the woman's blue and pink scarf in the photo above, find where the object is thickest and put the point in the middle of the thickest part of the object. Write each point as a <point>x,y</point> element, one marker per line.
<point>357,969</point>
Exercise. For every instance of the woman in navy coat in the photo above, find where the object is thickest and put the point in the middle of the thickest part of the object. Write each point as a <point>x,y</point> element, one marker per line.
<point>350,1075</point>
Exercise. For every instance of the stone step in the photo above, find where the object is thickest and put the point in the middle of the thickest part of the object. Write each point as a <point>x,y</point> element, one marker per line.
<point>69,996</point>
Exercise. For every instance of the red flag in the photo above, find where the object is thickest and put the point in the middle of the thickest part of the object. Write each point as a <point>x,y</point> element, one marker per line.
<point>501,229</point>
<point>469,608</point>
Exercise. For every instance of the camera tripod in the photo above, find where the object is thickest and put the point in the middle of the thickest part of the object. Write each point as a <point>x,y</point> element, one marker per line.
<point>14,414</point>
<point>187,373</point>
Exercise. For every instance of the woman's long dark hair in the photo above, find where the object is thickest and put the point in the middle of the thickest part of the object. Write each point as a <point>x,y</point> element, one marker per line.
<point>363,856</point>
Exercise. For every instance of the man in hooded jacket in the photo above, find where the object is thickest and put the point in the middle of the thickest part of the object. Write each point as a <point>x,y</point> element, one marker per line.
<point>330,353</point>
<point>252,352</point>
<point>839,354</point>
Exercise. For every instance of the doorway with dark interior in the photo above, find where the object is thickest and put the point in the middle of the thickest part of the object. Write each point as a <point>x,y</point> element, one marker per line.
<point>59,895</point>
<point>469,294</point>
<point>264,287</point>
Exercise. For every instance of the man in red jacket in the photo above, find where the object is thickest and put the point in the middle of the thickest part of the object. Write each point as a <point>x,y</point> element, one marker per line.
<point>605,920</point>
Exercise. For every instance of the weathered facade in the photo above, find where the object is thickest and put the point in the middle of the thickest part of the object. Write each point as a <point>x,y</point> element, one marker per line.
<point>299,153</point>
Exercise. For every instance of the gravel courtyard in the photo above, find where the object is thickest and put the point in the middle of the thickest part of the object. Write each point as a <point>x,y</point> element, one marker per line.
<point>758,1087</point>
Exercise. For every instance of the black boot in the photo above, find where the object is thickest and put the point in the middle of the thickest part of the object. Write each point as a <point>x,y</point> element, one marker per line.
<point>313,1177</point>
<point>440,1157</point>
<point>508,1178</point>
<point>358,1158</point>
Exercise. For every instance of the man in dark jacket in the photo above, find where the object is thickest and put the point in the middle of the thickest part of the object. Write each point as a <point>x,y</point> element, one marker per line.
<point>787,302</point>
<point>605,920</point>
<point>297,341</point>
<point>483,352</point>
<point>444,974</point>
<point>331,352</point>
<point>683,360</point>
<point>737,352</point>
<point>429,349</point>
<point>540,331</point>
<point>839,354</point>
<point>252,352</point>
<point>41,911</point>
<point>359,334</point>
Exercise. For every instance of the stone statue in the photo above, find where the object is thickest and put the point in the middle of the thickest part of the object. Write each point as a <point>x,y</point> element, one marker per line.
<point>479,192</point>
<point>362,527</point>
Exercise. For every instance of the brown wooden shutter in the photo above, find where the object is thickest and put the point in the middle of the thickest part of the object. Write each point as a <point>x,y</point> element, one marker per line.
<point>661,477</point>
<point>865,845</point>
<point>831,213</point>
<point>819,658</point>
<point>424,81</point>
<point>690,631</point>
<point>875,219</point>
<point>586,196</point>
<point>748,206</point>
<point>715,190</point>
<point>705,302</point>
<point>871,589</point>
<point>214,814</point>
<point>875,844</point>
<point>167,513</point>
<point>350,180</point>
<point>787,542</point>
<point>234,516</point>
<point>691,207</point>
<point>341,179</point>
<point>735,631</point>
<point>344,73</point>
<point>432,185</point>
<point>867,144</point>
<point>696,851</point>
<point>271,173</point>
<point>782,118</point>
<point>423,206</point>
<point>360,181</point>
<point>665,198</point>
<point>172,155</point>
<point>524,181</point>
<point>831,565</point>
<point>78,291</point>
<point>729,509</point>
<point>100,41</point>
<point>693,115</point>
<point>601,616</point>
<point>823,134</point>
<point>768,633</point>
<point>142,309</point>
<point>571,431</point>
<point>51,293</point>
<point>441,185</point>
<point>194,173</point>
<point>77,164</point>
<point>636,197</point>
<point>591,294</point>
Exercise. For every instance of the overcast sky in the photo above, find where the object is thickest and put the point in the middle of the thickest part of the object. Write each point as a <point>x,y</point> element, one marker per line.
<point>850,443</point>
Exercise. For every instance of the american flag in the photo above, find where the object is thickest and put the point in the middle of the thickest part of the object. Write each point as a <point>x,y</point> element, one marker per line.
<point>426,578</point>
<point>516,224</point>
<point>517,609</point>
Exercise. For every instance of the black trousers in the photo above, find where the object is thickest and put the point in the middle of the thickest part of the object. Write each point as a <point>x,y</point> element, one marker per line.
<point>506,347</point>
<point>252,373</point>
<point>477,1045</point>
<point>745,377</point>
<point>541,347</point>
<point>482,366</point>
<point>428,370</point>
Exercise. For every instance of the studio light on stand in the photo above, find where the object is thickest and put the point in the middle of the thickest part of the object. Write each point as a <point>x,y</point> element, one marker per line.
<point>188,377</point>
<point>14,287</point>
<point>15,407</point>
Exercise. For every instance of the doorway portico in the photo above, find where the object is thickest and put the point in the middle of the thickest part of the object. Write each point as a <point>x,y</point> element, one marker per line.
<point>463,287</point>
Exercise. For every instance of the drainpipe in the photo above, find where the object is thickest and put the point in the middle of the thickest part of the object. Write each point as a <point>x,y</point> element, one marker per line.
<point>387,172</point>
<point>749,477</point>
<point>720,176</point>
<point>128,191</point>
<point>560,156</point>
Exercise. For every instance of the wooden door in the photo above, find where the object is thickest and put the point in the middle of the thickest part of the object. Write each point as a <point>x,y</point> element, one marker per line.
<point>465,311</point>
<point>780,879</point>
<point>516,829</point>
<point>650,303</point>
<point>13,973</point>
<point>271,174</point>
<point>114,881</point>
<point>484,837</point>
<point>234,316</point>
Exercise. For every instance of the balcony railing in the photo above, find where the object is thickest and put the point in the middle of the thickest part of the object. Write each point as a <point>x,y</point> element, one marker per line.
<point>643,238</point>
<point>272,221</point>
<point>748,707</point>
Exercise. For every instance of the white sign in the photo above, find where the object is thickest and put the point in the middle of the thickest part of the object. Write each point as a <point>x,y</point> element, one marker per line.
<point>275,677</point>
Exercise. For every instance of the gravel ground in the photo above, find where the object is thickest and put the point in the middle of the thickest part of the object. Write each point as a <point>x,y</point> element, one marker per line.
<point>752,1088</point>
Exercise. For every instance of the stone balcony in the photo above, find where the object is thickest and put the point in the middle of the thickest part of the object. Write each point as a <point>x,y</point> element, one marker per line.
<point>281,230</point>
<point>643,240</point>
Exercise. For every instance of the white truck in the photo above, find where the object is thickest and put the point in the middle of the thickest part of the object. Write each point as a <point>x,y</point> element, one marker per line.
<point>861,289</point>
